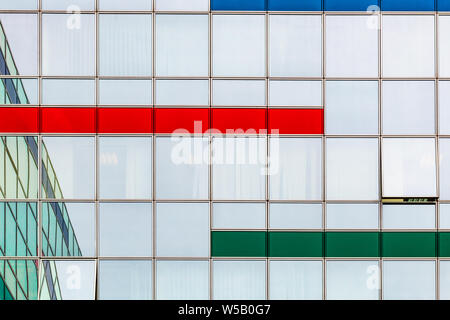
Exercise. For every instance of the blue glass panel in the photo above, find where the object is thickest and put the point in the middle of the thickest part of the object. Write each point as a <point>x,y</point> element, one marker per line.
<point>350,5</point>
<point>243,5</point>
<point>407,5</point>
<point>443,5</point>
<point>295,5</point>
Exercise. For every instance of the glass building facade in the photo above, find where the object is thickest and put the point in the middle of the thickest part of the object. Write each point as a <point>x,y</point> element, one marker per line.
<point>225,149</point>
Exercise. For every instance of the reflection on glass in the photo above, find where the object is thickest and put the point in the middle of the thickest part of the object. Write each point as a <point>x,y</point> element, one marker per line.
<point>18,280</point>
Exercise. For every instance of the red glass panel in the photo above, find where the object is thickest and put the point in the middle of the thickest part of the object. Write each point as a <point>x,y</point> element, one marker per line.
<point>125,120</point>
<point>68,120</point>
<point>182,120</point>
<point>239,120</point>
<point>296,121</point>
<point>18,120</point>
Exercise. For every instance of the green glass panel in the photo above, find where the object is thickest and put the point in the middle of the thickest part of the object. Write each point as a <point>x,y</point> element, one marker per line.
<point>32,280</point>
<point>444,244</point>
<point>408,244</point>
<point>2,168</point>
<point>2,228</point>
<point>352,244</point>
<point>238,244</point>
<point>295,244</point>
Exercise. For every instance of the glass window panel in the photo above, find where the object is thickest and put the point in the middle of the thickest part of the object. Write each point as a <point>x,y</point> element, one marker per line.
<point>125,92</point>
<point>444,107</point>
<point>409,280</point>
<point>295,216</point>
<point>182,168</point>
<point>239,215</point>
<point>125,5</point>
<point>69,5</point>
<point>444,216</point>
<point>68,44</point>
<point>182,92</point>
<point>182,45</point>
<point>353,280</point>
<point>408,107</point>
<point>295,280</point>
<point>69,167</point>
<point>239,93</point>
<point>408,46</point>
<point>352,107</point>
<point>409,167</point>
<point>125,229</point>
<point>444,169</point>
<point>125,44</point>
<point>182,229</point>
<point>444,46</point>
<point>409,216</point>
<point>125,167</point>
<point>352,216</point>
<point>19,91</point>
<point>295,93</point>
<point>352,169</point>
<point>351,47</point>
<point>182,280</point>
<point>67,92</point>
<point>134,282</point>
<point>238,45</point>
<point>239,168</point>
<point>182,5</point>
<point>444,280</point>
<point>239,280</point>
<point>19,4</point>
<point>295,45</point>
<point>295,168</point>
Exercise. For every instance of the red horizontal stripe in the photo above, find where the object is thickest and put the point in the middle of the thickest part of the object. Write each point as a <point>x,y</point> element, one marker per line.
<point>124,120</point>
<point>19,120</point>
<point>296,121</point>
<point>181,120</point>
<point>239,120</point>
<point>68,120</point>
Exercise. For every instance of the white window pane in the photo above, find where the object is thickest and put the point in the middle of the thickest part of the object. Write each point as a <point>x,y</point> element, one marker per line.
<point>182,229</point>
<point>409,280</point>
<point>181,169</point>
<point>295,168</point>
<point>182,92</point>
<point>295,45</point>
<point>444,280</point>
<point>295,216</point>
<point>295,93</point>
<point>408,46</point>
<point>352,107</point>
<point>444,107</point>
<point>239,215</point>
<point>444,216</point>
<point>239,280</point>
<point>409,167</point>
<point>352,169</point>
<point>125,92</point>
<point>239,168</point>
<point>239,93</point>
<point>125,229</point>
<point>70,5</point>
<point>125,45</point>
<point>68,47</point>
<point>409,217</point>
<point>352,280</point>
<point>182,5</point>
<point>295,280</point>
<point>182,45</point>
<point>408,107</point>
<point>444,46</point>
<point>67,92</point>
<point>238,45</point>
<point>182,280</point>
<point>125,167</point>
<point>125,5</point>
<point>73,162</point>
<point>352,216</point>
<point>19,4</point>
<point>444,169</point>
<point>134,282</point>
<point>351,47</point>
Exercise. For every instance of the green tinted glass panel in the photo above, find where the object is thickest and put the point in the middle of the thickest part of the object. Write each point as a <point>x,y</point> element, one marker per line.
<point>352,244</point>
<point>295,244</point>
<point>409,244</point>
<point>444,244</point>
<point>238,244</point>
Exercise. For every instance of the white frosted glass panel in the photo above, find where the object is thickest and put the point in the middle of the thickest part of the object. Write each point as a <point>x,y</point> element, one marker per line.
<point>182,280</point>
<point>352,169</point>
<point>182,92</point>
<point>409,280</point>
<point>125,5</point>
<point>352,216</point>
<point>239,93</point>
<point>351,47</point>
<point>182,5</point>
<point>444,216</point>
<point>295,216</point>
<point>409,217</point>
<point>82,218</point>
<point>239,168</point>
<point>295,280</point>
<point>125,92</point>
<point>238,45</point>
<point>352,280</point>
<point>295,45</point>
<point>408,45</point>
<point>182,229</point>
<point>295,93</point>
<point>409,167</point>
<point>19,4</point>
<point>181,170</point>
<point>296,168</point>
<point>444,169</point>
<point>352,107</point>
<point>444,107</point>
<point>444,46</point>
<point>67,92</point>
<point>239,215</point>
<point>69,5</point>
<point>182,45</point>
<point>239,280</point>
<point>408,107</point>
<point>444,280</point>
